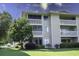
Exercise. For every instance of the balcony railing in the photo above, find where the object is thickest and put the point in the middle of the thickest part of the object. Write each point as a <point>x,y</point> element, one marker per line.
<point>35,21</point>
<point>37,32</point>
<point>68,21</point>
<point>69,33</point>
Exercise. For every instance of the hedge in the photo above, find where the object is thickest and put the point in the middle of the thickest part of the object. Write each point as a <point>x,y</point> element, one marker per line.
<point>69,45</point>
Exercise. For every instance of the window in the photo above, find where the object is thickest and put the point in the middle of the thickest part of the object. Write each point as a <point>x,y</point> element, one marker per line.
<point>67,17</point>
<point>63,41</point>
<point>45,17</point>
<point>34,16</point>
<point>68,28</point>
<point>38,40</point>
<point>37,28</point>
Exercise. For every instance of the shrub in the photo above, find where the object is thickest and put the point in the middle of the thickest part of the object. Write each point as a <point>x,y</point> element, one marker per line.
<point>69,45</point>
<point>48,45</point>
<point>1,43</point>
<point>40,46</point>
<point>30,46</point>
<point>57,46</point>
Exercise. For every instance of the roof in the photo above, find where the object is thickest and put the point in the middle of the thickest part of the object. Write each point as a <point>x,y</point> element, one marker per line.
<point>51,12</point>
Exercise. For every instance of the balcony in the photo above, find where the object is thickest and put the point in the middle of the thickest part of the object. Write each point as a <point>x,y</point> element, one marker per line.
<point>35,21</point>
<point>67,22</point>
<point>37,33</point>
<point>68,33</point>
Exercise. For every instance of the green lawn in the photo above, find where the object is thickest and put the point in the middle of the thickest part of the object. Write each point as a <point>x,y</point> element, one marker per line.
<point>40,52</point>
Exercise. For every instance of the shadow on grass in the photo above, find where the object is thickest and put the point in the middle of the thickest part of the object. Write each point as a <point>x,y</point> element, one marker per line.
<point>56,50</point>
<point>11,52</point>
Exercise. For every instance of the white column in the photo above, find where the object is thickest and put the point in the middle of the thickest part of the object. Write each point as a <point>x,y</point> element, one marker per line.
<point>44,32</point>
<point>42,18</point>
<point>77,22</point>
<point>55,30</point>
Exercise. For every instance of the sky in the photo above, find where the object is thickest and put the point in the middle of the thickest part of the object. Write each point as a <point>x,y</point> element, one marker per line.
<point>15,9</point>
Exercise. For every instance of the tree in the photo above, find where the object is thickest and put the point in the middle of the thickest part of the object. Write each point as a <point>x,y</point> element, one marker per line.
<point>21,31</point>
<point>5,20</point>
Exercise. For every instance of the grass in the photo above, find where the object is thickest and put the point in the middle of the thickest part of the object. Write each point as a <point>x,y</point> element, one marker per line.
<point>11,52</point>
<point>54,52</point>
<point>40,52</point>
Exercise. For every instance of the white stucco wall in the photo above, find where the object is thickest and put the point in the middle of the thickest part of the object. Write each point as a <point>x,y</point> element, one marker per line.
<point>55,30</point>
<point>77,22</point>
<point>45,31</point>
<point>43,41</point>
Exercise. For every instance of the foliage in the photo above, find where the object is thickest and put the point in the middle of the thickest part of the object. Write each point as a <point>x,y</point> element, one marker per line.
<point>21,31</point>
<point>69,45</point>
<point>40,46</point>
<point>30,46</point>
<point>5,21</point>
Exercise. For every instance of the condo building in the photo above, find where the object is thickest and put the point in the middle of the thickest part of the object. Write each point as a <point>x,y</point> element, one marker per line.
<point>54,27</point>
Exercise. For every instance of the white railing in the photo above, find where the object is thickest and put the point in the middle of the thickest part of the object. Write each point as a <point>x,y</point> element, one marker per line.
<point>68,21</point>
<point>37,32</point>
<point>69,33</point>
<point>35,21</point>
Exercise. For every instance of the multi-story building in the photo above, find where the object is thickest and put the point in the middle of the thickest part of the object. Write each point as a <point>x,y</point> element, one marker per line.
<point>54,27</point>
